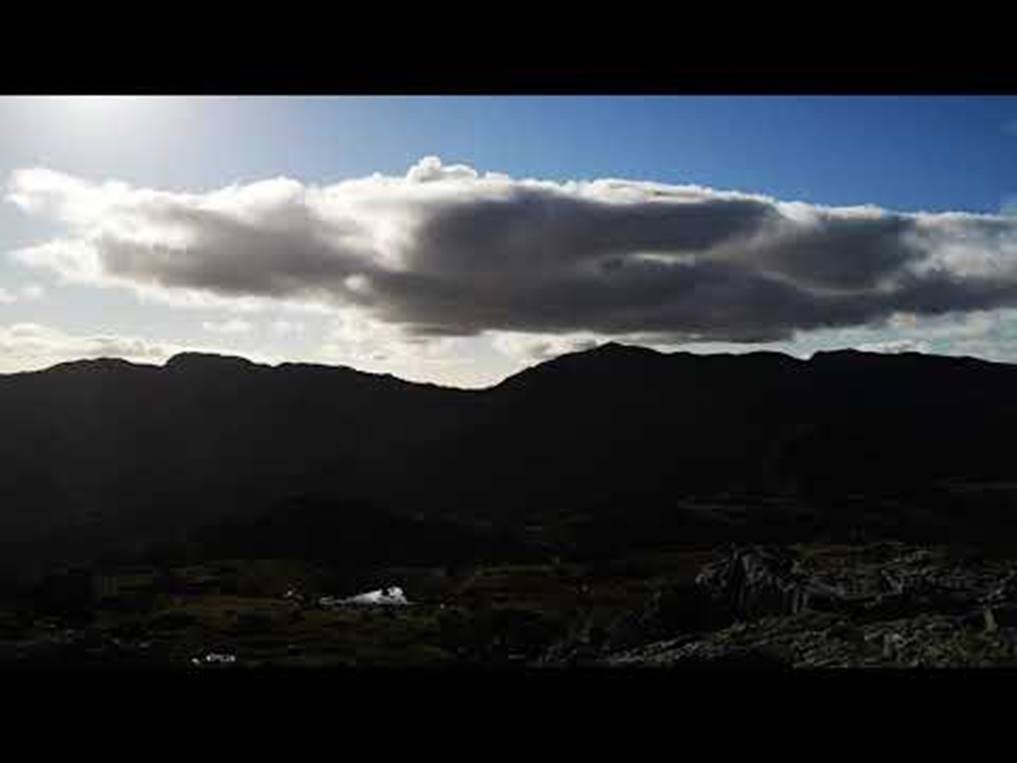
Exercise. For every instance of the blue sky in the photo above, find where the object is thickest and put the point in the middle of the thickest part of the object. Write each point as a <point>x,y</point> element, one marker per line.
<point>934,153</point>
<point>906,154</point>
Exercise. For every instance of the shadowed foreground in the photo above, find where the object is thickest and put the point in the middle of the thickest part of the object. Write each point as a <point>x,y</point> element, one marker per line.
<point>612,507</point>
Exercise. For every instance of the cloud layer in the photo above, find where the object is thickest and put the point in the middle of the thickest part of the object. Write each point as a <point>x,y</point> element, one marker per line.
<point>31,346</point>
<point>446,251</point>
<point>26,346</point>
<point>32,291</point>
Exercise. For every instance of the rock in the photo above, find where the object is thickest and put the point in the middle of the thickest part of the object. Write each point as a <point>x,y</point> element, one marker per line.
<point>1002,616</point>
<point>584,645</point>
<point>671,611</point>
<point>1004,591</point>
<point>756,582</point>
<point>893,643</point>
<point>991,626</point>
<point>702,655</point>
<point>825,599</point>
<point>754,606</point>
<point>892,606</point>
<point>735,659</point>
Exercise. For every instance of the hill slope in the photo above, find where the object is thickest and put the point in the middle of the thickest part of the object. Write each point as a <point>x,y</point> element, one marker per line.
<point>106,450</point>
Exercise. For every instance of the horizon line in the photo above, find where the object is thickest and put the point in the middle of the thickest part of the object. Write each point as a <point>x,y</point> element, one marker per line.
<point>610,343</point>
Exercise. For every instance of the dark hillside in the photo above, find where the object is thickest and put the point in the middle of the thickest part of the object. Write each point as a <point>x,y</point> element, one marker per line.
<point>105,453</point>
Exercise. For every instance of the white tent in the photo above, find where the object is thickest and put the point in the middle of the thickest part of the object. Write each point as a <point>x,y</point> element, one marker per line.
<point>392,595</point>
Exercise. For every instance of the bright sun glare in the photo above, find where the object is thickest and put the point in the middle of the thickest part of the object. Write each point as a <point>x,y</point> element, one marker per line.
<point>96,102</point>
<point>105,112</point>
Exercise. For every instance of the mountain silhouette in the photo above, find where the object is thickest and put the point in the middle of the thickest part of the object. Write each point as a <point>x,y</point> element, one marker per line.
<point>100,452</point>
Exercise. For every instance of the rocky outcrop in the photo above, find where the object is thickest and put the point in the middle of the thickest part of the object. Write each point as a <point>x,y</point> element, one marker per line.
<point>756,582</point>
<point>677,609</point>
<point>881,606</point>
<point>672,610</point>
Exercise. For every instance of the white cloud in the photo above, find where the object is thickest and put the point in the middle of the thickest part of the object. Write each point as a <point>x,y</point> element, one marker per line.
<point>531,348</point>
<point>446,251</point>
<point>25,346</point>
<point>232,326</point>
<point>895,346</point>
<point>32,346</point>
<point>357,337</point>
<point>950,326</point>
<point>33,291</point>
<point>430,168</point>
<point>287,328</point>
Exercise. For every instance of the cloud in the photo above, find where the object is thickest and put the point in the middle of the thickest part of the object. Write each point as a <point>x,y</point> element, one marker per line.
<point>359,338</point>
<point>284,327</point>
<point>232,326</point>
<point>354,338</point>
<point>973,324</point>
<point>535,348</point>
<point>30,345</point>
<point>33,291</point>
<point>895,346</point>
<point>446,251</point>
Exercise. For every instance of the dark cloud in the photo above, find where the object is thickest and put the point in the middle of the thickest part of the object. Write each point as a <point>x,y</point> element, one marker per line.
<point>445,251</point>
<point>532,232</point>
<point>839,253</point>
<point>285,256</point>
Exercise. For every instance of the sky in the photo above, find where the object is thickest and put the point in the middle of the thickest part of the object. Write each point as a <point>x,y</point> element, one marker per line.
<point>458,240</point>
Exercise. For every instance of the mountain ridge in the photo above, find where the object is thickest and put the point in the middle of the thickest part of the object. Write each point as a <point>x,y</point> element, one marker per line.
<point>614,350</point>
<point>618,433</point>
